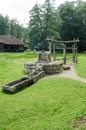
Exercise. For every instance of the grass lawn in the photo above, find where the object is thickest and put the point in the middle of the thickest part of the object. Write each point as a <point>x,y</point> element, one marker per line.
<point>81,66</point>
<point>20,57</point>
<point>50,104</point>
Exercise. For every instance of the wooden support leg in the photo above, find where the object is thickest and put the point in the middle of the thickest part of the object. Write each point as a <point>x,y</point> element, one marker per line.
<point>50,50</point>
<point>64,55</point>
<point>74,53</point>
<point>54,54</point>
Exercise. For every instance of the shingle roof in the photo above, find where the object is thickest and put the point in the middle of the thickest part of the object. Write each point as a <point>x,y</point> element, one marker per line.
<point>12,40</point>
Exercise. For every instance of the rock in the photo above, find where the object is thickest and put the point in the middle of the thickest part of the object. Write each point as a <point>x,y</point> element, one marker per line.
<point>31,67</point>
<point>65,67</point>
<point>38,76</point>
<point>52,68</point>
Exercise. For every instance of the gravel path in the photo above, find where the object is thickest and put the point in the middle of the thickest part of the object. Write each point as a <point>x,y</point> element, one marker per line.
<point>69,74</point>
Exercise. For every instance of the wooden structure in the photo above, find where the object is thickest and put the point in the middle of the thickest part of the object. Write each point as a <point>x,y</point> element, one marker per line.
<point>66,45</point>
<point>10,44</point>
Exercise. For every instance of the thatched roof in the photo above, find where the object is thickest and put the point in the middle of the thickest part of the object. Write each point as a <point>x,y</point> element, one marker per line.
<point>12,40</point>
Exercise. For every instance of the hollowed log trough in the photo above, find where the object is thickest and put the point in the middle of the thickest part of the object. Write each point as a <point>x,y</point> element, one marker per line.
<point>22,83</point>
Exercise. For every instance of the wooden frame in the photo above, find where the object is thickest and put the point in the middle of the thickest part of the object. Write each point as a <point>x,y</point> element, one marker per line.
<point>52,48</point>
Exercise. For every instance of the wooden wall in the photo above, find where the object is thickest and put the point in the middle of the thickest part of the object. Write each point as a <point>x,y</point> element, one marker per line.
<point>1,47</point>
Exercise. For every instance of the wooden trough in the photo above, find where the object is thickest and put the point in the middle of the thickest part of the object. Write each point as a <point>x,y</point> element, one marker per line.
<point>22,83</point>
<point>17,85</point>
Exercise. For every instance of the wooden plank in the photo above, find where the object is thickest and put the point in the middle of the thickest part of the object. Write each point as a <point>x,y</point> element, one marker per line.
<point>67,48</point>
<point>71,41</point>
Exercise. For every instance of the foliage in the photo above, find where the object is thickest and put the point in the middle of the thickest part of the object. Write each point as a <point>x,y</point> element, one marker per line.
<point>12,27</point>
<point>15,29</point>
<point>35,26</point>
<point>66,22</point>
<point>74,22</point>
<point>67,15</point>
<point>44,22</point>
<point>80,22</point>
<point>4,25</point>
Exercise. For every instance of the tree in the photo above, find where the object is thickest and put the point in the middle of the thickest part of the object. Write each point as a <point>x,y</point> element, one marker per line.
<point>15,28</point>
<point>45,22</point>
<point>73,15</point>
<point>4,26</point>
<point>66,12</point>
<point>35,26</point>
<point>80,18</point>
<point>52,21</point>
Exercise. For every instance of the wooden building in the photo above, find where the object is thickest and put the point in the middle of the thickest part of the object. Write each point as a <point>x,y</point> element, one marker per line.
<point>10,44</point>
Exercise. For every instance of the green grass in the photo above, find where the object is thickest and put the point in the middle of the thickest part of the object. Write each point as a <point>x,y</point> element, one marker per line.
<point>81,66</point>
<point>20,57</point>
<point>10,71</point>
<point>50,104</point>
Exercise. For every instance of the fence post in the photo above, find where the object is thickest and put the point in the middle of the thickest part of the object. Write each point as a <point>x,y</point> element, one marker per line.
<point>64,54</point>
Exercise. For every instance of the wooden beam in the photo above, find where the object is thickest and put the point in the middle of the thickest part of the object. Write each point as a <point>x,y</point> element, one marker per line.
<point>72,41</point>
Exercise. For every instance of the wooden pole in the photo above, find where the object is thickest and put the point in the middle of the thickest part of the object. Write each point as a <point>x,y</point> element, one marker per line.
<point>74,52</point>
<point>50,49</point>
<point>64,55</point>
<point>54,57</point>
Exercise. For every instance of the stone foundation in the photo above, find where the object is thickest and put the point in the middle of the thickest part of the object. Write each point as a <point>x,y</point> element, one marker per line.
<point>31,67</point>
<point>53,68</point>
<point>48,68</point>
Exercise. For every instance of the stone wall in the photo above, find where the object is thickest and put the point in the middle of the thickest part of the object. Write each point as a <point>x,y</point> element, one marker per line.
<point>31,67</point>
<point>48,68</point>
<point>53,68</point>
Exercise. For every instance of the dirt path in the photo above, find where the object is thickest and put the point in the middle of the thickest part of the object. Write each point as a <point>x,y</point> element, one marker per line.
<point>69,74</point>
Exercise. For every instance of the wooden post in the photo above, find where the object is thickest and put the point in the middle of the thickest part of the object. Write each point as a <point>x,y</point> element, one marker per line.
<point>54,54</point>
<point>64,54</point>
<point>74,52</point>
<point>50,49</point>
